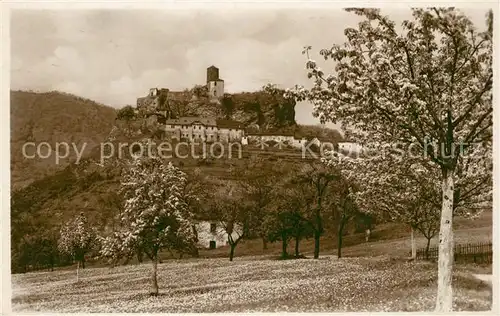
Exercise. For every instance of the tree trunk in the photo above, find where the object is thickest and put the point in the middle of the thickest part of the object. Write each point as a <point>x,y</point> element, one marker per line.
<point>78,271</point>
<point>316,244</point>
<point>264,243</point>
<point>343,221</point>
<point>317,231</point>
<point>231,252</point>
<point>154,276</point>
<point>52,262</point>
<point>339,246</point>
<point>427,248</point>
<point>284,242</point>
<point>139,256</point>
<point>444,300</point>
<point>297,241</point>
<point>195,252</point>
<point>413,244</point>
<point>83,262</point>
<point>339,242</point>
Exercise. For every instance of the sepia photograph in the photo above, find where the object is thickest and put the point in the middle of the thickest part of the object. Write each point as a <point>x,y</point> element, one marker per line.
<point>240,158</point>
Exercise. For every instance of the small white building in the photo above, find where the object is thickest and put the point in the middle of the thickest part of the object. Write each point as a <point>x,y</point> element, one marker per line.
<point>204,129</point>
<point>244,140</point>
<point>212,234</point>
<point>263,137</point>
<point>350,148</point>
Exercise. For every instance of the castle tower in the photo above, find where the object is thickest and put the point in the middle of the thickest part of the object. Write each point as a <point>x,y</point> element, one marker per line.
<point>215,85</point>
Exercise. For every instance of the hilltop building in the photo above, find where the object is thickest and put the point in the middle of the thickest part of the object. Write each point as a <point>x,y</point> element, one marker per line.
<point>283,137</point>
<point>215,85</point>
<point>204,129</point>
<point>158,99</point>
<point>151,102</point>
<point>156,106</point>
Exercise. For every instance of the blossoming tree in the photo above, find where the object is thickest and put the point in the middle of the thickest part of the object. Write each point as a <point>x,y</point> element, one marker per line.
<point>155,215</point>
<point>393,189</point>
<point>404,189</point>
<point>425,85</point>
<point>77,239</point>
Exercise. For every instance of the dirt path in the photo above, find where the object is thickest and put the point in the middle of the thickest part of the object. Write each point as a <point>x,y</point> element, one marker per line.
<point>488,278</point>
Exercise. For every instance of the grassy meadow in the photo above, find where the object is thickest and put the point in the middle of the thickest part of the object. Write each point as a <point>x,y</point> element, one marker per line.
<point>249,284</point>
<point>373,276</point>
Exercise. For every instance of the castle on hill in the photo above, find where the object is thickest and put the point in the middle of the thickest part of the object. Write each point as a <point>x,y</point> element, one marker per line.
<point>215,84</point>
<point>158,99</point>
<point>156,106</point>
<point>157,102</point>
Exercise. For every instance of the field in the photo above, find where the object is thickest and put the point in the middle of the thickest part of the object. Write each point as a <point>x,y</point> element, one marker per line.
<point>373,276</point>
<point>249,284</point>
<point>389,239</point>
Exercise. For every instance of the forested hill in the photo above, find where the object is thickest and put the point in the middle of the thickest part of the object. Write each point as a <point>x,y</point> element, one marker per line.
<point>44,194</point>
<point>53,117</point>
<point>61,117</point>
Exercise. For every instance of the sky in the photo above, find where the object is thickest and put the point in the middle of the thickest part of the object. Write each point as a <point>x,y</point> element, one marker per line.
<point>114,56</point>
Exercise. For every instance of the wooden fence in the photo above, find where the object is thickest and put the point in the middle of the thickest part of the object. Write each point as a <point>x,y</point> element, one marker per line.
<point>477,253</point>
